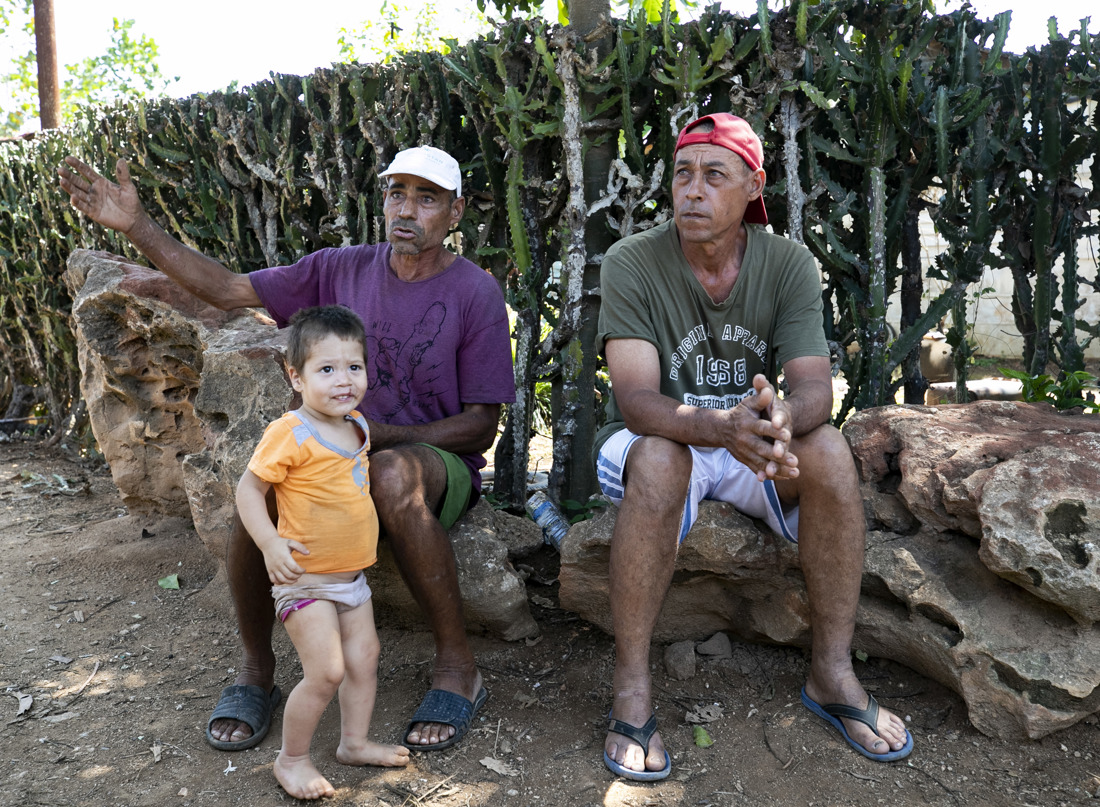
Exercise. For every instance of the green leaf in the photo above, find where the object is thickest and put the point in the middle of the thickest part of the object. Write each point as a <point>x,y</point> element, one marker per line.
<point>701,737</point>
<point>861,655</point>
<point>815,95</point>
<point>171,155</point>
<point>172,582</point>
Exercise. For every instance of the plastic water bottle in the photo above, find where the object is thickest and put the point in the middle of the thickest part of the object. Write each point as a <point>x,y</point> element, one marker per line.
<point>546,515</point>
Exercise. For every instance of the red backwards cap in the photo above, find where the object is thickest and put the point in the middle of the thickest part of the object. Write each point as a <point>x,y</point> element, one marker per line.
<point>735,134</point>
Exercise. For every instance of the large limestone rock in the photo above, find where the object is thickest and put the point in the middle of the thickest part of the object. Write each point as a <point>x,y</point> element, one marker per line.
<point>244,387</point>
<point>179,394</point>
<point>980,568</point>
<point>1022,478</point>
<point>139,344</point>
<point>481,554</point>
<point>732,574</point>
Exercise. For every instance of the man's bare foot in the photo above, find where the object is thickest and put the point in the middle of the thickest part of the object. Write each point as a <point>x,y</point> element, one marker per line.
<point>365,752</point>
<point>467,685</point>
<point>633,707</point>
<point>892,734</point>
<point>300,779</point>
<point>230,731</point>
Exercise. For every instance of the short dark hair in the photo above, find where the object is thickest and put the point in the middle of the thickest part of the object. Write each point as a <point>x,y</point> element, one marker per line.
<point>310,325</point>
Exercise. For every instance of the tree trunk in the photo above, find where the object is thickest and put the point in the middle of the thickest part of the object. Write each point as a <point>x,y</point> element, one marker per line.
<point>912,283</point>
<point>575,477</point>
<point>49,99</point>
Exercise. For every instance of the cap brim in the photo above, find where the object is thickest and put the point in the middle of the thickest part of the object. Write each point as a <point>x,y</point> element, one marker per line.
<point>755,213</point>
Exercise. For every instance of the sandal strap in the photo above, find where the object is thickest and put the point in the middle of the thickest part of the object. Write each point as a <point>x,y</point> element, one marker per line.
<point>639,734</point>
<point>868,716</point>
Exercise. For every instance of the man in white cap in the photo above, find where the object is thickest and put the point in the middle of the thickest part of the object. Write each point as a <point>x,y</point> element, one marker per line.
<point>697,316</point>
<point>439,368</point>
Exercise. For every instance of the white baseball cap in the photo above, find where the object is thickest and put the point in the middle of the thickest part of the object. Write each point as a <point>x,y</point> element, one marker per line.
<point>434,165</point>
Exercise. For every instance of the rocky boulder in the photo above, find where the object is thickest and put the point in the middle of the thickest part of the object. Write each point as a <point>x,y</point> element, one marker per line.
<point>139,344</point>
<point>178,395</point>
<point>980,569</point>
<point>1021,478</point>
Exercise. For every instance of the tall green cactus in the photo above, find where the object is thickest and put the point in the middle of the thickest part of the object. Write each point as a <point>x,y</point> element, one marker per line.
<point>871,114</point>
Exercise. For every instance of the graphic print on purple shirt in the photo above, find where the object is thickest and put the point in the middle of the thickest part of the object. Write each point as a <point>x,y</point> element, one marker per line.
<point>433,345</point>
<point>395,363</point>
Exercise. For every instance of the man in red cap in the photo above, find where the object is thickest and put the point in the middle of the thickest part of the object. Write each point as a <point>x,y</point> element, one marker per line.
<point>698,316</point>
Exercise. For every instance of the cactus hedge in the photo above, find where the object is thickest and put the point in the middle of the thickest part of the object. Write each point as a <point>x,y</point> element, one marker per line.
<point>872,112</point>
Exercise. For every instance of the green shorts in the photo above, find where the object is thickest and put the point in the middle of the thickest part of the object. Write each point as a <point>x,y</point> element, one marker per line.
<point>459,494</point>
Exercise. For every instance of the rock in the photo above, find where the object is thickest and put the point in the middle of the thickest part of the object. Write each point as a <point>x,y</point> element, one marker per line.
<point>929,602</point>
<point>522,536</point>
<point>139,344</point>
<point>717,646</point>
<point>1040,515</point>
<point>179,394</point>
<point>494,596</point>
<point>729,572</point>
<point>244,387</point>
<point>680,660</point>
<point>1021,477</point>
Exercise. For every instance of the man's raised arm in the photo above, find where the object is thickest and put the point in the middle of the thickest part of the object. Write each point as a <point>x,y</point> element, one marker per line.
<point>118,207</point>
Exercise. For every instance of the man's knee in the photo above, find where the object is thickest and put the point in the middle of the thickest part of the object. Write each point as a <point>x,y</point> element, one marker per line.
<point>393,471</point>
<point>656,465</point>
<point>406,477</point>
<point>825,460</point>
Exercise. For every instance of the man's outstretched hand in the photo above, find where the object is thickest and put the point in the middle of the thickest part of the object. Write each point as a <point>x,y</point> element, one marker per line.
<point>763,434</point>
<point>113,205</point>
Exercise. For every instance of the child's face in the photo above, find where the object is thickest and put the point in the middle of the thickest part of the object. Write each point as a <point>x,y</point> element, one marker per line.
<point>333,378</point>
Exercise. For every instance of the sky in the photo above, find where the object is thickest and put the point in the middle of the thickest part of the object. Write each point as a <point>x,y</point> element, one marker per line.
<point>210,43</point>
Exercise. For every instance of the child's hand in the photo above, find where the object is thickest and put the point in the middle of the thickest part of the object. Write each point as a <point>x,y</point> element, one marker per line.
<point>282,569</point>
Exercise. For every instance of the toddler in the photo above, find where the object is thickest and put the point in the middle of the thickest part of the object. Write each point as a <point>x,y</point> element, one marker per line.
<point>316,459</point>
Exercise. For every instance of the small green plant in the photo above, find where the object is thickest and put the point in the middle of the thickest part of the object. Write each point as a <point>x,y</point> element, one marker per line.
<point>1074,389</point>
<point>582,511</point>
<point>494,501</point>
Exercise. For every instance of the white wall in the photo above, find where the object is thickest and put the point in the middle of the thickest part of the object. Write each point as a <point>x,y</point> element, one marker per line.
<point>994,331</point>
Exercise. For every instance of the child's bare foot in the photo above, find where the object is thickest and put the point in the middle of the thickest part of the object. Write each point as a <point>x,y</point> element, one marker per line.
<point>365,752</point>
<point>300,779</point>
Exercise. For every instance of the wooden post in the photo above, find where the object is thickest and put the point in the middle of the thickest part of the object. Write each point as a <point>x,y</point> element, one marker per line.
<point>49,99</point>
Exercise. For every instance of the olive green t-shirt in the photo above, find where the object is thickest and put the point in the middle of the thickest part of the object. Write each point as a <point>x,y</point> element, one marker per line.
<point>709,352</point>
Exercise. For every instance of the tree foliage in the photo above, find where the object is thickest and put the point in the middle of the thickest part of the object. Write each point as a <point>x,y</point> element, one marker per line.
<point>127,71</point>
<point>400,28</point>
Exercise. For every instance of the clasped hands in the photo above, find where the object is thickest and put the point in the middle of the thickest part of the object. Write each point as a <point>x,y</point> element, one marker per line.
<point>761,440</point>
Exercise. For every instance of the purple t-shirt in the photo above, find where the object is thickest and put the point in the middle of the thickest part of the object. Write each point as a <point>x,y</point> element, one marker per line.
<point>432,345</point>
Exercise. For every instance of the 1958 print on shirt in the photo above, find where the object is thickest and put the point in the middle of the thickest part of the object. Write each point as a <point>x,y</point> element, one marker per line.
<point>714,372</point>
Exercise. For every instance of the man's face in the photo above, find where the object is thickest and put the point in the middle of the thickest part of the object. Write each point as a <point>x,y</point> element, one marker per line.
<point>419,213</point>
<point>711,187</point>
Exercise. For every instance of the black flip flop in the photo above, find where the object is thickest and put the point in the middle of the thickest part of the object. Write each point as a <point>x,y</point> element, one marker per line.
<point>250,705</point>
<point>641,735</point>
<point>440,706</point>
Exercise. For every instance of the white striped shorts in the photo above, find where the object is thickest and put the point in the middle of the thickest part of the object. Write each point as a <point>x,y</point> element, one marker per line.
<point>715,474</point>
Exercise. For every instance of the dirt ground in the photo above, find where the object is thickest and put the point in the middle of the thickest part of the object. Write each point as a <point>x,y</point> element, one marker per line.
<point>109,679</point>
